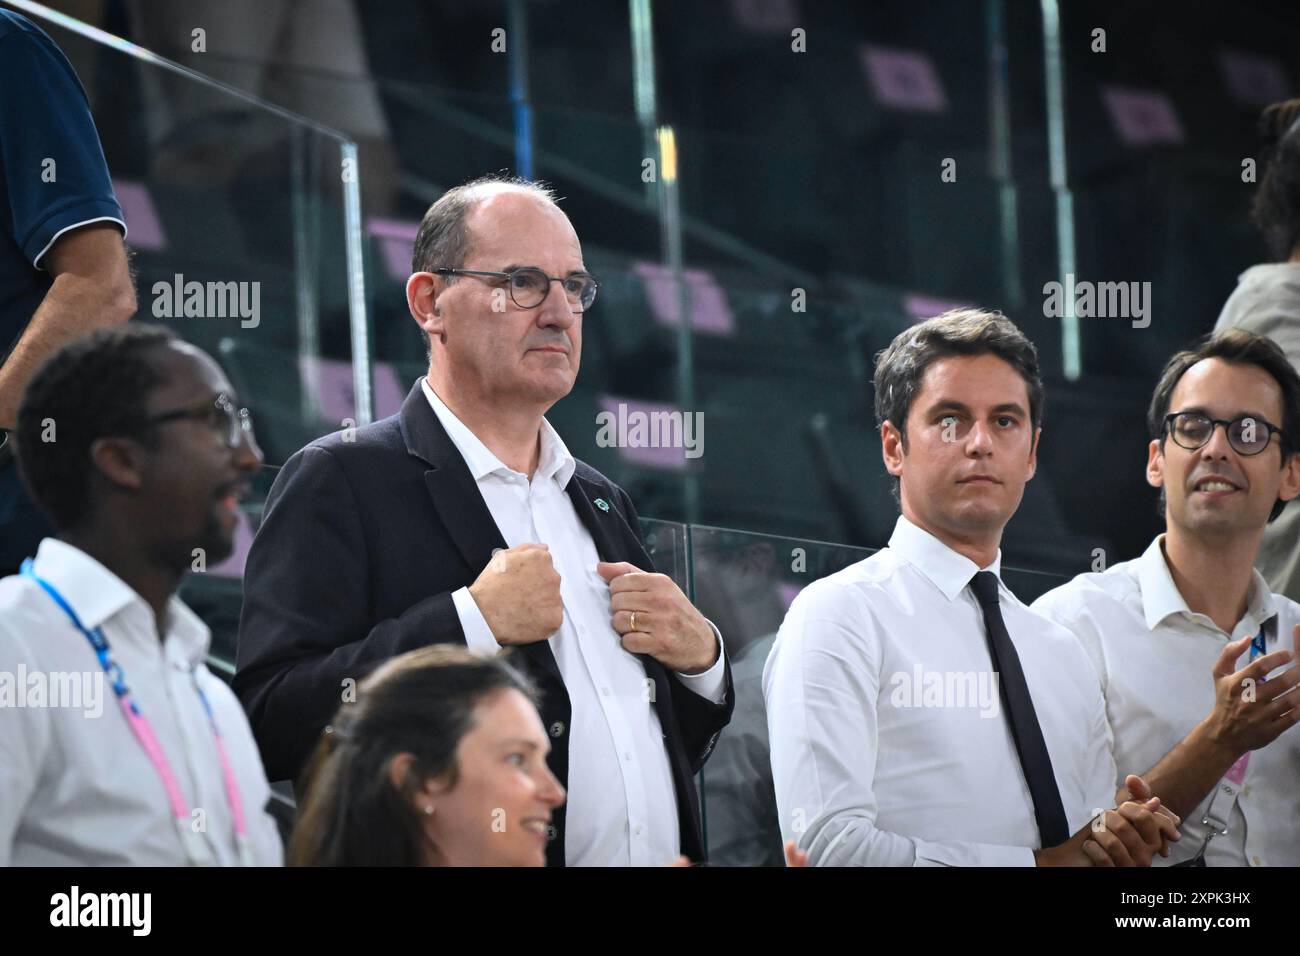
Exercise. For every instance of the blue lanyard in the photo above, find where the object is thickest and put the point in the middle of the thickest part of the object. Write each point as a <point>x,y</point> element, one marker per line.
<point>1257,644</point>
<point>96,638</point>
<point>143,729</point>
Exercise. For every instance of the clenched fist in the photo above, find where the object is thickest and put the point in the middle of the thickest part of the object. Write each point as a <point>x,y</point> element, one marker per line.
<point>519,595</point>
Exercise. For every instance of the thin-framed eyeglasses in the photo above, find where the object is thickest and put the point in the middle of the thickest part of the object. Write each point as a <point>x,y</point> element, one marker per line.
<point>529,286</point>
<point>220,413</point>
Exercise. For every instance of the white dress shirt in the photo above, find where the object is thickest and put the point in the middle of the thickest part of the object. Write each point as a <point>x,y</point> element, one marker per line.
<point>870,771</point>
<point>1154,658</point>
<point>76,787</point>
<point>622,809</point>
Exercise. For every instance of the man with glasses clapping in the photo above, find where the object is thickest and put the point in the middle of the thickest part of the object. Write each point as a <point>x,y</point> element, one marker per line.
<point>1195,654</point>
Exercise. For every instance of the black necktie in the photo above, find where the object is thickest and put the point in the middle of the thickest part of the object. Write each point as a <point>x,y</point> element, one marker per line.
<point>1019,706</point>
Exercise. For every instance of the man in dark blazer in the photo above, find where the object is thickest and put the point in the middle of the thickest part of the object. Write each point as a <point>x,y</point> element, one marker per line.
<point>463,519</point>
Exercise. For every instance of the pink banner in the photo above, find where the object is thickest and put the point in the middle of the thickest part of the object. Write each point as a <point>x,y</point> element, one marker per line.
<point>766,16</point>
<point>921,306</point>
<point>904,79</point>
<point>710,313</point>
<point>1143,117</point>
<point>330,383</point>
<point>1254,79</point>
<point>396,239</point>
<point>144,228</point>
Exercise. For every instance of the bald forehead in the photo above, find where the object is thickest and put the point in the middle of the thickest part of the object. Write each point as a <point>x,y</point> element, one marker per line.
<point>501,211</point>
<point>494,202</point>
<point>486,192</point>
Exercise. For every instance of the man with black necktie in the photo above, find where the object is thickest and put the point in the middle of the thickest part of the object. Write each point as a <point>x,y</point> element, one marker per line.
<point>919,714</point>
<point>464,519</point>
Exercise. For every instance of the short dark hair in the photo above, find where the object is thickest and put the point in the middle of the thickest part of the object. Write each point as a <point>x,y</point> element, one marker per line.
<point>1276,209</point>
<point>93,387</point>
<point>1243,348</point>
<point>443,240</point>
<point>421,702</point>
<point>901,367</point>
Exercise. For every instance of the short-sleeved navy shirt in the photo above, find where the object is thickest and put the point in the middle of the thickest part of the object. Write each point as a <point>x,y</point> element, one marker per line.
<point>44,116</point>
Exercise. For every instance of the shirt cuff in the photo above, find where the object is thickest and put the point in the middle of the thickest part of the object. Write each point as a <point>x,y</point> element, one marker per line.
<point>478,636</point>
<point>712,683</point>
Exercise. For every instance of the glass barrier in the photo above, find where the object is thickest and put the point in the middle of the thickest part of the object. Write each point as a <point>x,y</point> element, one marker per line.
<point>236,214</point>
<point>742,581</point>
<point>745,583</point>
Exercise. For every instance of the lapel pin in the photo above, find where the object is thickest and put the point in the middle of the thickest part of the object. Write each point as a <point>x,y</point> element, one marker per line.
<point>602,504</point>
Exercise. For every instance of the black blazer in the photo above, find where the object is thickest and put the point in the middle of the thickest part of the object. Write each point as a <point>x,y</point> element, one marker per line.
<point>361,545</point>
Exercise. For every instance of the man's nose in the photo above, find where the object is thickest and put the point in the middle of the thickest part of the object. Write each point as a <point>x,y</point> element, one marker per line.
<point>979,441</point>
<point>248,455</point>
<point>556,309</point>
<point>1218,447</point>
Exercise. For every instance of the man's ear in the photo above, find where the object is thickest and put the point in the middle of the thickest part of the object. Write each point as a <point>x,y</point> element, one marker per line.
<point>891,448</point>
<point>422,292</point>
<point>119,460</point>
<point>1290,486</point>
<point>1155,465</point>
<point>1033,452</point>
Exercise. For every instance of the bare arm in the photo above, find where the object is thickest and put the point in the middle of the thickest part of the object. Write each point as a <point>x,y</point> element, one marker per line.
<point>92,289</point>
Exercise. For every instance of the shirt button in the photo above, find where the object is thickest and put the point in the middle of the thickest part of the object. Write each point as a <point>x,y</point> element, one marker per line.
<point>605,691</point>
<point>627,755</point>
<point>557,728</point>
<point>1245,791</point>
<point>1256,862</point>
<point>637,831</point>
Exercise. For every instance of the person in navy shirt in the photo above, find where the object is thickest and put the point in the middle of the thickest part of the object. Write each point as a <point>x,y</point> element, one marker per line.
<point>63,262</point>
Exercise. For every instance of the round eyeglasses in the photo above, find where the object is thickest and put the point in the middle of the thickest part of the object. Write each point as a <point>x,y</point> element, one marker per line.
<point>529,287</point>
<point>1246,435</point>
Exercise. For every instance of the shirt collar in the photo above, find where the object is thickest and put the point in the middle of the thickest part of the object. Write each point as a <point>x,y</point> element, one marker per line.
<point>554,460</point>
<point>949,571</point>
<point>96,594</point>
<point>1161,597</point>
